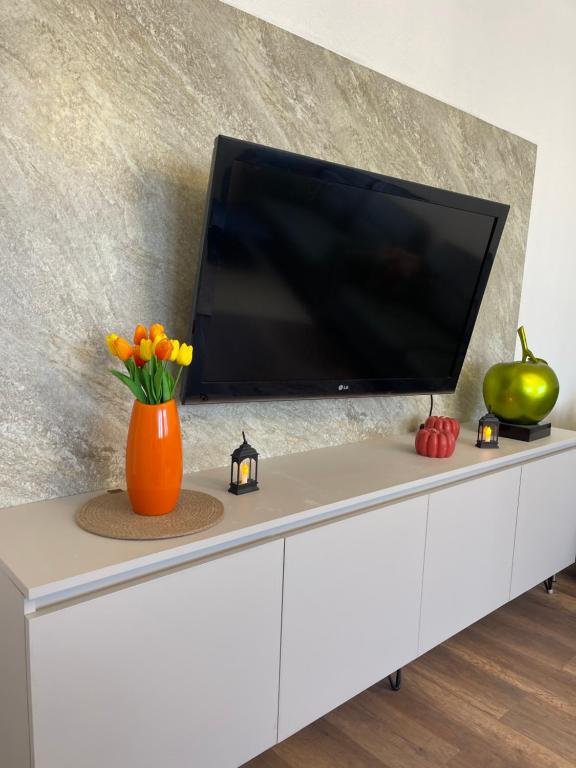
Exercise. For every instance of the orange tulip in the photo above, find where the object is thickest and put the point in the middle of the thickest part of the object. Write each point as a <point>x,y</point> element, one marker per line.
<point>157,339</point>
<point>155,330</point>
<point>136,354</point>
<point>140,333</point>
<point>163,349</point>
<point>122,348</point>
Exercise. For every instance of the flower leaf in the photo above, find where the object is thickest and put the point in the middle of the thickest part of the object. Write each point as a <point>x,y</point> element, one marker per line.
<point>147,383</point>
<point>135,388</point>
<point>158,382</point>
<point>134,372</point>
<point>139,379</point>
<point>170,379</point>
<point>153,391</point>
<point>166,388</point>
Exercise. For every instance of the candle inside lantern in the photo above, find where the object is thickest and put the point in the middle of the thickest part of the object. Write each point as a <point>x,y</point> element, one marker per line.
<point>487,434</point>
<point>244,472</point>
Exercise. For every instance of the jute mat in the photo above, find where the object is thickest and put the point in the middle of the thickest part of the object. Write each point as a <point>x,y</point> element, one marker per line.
<point>111,515</point>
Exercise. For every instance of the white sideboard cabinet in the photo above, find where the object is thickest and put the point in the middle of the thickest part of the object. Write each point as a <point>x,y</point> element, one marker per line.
<point>203,651</point>
<point>179,667</point>
<point>353,584</point>
<point>469,550</point>
<point>546,529</point>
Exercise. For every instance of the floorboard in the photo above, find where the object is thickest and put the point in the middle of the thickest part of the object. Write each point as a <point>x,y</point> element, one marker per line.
<point>500,694</point>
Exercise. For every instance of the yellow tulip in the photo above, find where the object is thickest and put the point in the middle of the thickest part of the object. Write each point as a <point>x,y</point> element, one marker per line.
<point>146,350</point>
<point>184,356</point>
<point>175,350</point>
<point>110,339</point>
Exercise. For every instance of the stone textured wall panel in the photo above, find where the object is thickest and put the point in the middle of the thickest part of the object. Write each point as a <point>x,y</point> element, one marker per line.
<point>108,112</point>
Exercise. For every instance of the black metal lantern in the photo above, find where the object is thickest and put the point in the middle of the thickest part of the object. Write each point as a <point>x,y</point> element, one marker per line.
<point>244,469</point>
<point>488,430</point>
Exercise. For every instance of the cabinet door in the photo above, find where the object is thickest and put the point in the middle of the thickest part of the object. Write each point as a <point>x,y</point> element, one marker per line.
<point>14,731</point>
<point>469,549</point>
<point>546,531</point>
<point>180,671</point>
<point>351,606</point>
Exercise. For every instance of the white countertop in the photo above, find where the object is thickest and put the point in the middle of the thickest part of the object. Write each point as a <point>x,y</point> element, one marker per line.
<point>45,554</point>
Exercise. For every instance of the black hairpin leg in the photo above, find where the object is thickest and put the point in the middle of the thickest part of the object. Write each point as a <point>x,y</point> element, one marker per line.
<point>395,680</point>
<point>549,584</point>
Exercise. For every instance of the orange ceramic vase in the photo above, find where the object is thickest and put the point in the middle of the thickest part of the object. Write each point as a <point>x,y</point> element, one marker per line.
<point>154,458</point>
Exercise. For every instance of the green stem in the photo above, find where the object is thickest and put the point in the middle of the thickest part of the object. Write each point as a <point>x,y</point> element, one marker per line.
<point>152,371</point>
<point>164,380</point>
<point>525,351</point>
<point>177,380</point>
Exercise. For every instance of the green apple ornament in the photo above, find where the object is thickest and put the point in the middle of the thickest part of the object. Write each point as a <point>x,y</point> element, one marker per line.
<point>521,392</point>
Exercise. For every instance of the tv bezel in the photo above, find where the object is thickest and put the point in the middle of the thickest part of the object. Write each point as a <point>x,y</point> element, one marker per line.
<point>196,390</point>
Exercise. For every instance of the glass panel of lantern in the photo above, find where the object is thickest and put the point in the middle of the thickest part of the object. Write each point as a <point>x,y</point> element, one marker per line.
<point>244,469</point>
<point>488,429</point>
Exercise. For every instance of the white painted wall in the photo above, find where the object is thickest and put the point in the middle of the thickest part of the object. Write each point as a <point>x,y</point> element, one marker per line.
<point>511,63</point>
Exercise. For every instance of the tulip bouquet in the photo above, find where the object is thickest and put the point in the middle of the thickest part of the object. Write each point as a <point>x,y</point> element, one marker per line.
<point>147,361</point>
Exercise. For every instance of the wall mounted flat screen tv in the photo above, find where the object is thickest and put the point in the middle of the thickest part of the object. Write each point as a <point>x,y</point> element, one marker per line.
<point>321,280</point>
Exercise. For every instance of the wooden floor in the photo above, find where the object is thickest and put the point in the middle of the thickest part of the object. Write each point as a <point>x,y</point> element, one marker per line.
<point>501,693</point>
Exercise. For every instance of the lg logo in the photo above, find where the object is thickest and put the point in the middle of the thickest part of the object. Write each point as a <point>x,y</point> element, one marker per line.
<point>343,387</point>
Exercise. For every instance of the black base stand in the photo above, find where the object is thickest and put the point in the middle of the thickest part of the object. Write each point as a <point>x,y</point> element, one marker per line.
<point>395,680</point>
<point>525,432</point>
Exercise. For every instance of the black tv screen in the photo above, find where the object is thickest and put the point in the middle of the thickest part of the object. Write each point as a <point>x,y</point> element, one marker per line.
<point>320,280</point>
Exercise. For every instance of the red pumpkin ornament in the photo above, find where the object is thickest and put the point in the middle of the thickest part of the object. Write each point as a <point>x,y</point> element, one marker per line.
<point>435,444</point>
<point>444,424</point>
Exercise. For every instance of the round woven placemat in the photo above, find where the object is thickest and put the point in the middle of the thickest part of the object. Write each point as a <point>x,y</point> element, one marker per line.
<point>111,515</point>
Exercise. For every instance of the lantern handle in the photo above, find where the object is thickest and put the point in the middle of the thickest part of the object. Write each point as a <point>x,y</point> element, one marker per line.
<point>244,437</point>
